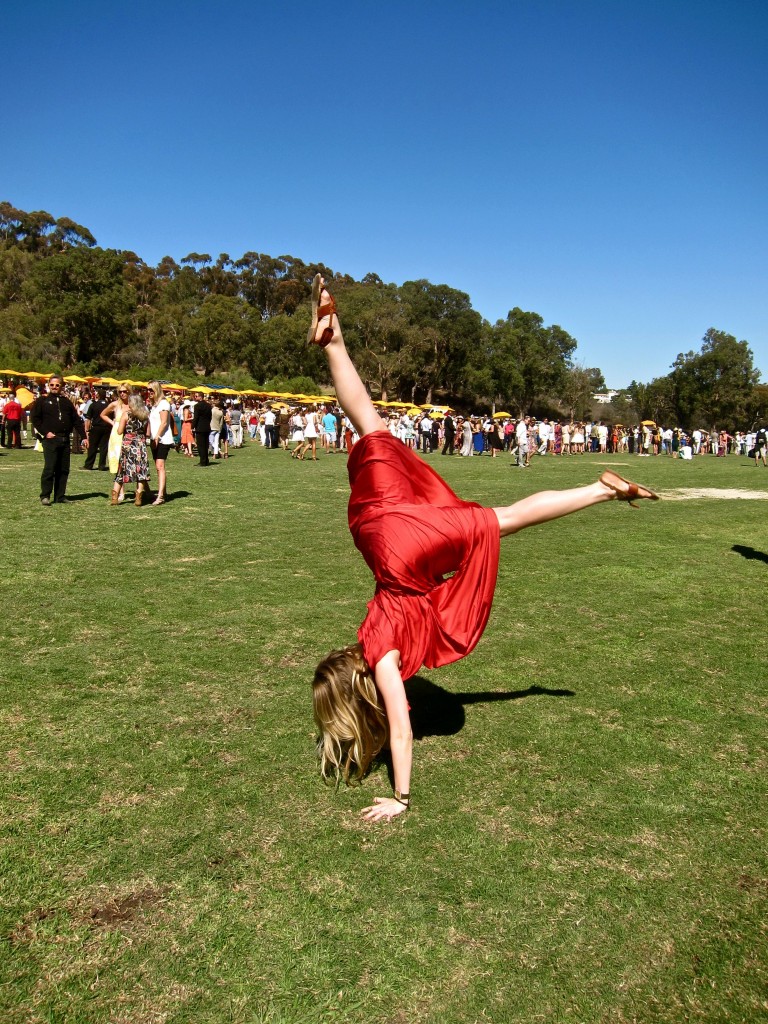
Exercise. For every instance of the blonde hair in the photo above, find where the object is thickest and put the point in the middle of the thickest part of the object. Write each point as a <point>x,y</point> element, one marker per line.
<point>349,715</point>
<point>156,390</point>
<point>137,410</point>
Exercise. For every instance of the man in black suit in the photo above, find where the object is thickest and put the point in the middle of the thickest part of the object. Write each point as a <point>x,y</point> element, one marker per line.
<point>201,428</point>
<point>54,418</point>
<point>98,432</point>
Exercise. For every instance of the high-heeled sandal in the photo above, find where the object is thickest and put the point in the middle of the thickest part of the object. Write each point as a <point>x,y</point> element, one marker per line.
<point>629,491</point>
<point>319,313</point>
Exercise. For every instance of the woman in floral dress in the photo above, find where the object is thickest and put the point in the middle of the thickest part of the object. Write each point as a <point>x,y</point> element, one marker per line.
<point>134,465</point>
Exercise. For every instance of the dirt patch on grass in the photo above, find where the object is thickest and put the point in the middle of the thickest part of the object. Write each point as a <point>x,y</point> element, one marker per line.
<point>727,493</point>
<point>123,909</point>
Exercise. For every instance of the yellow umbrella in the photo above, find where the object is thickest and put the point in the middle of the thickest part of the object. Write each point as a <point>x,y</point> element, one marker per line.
<point>24,397</point>
<point>227,391</point>
<point>502,415</point>
<point>203,390</point>
<point>5,391</point>
<point>648,423</point>
<point>74,379</point>
<point>35,376</point>
<point>174,387</point>
<point>106,380</point>
<point>414,411</point>
<point>11,373</point>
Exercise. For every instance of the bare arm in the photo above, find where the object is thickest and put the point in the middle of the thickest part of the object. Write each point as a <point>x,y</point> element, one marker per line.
<point>389,683</point>
<point>165,418</point>
<point>111,408</point>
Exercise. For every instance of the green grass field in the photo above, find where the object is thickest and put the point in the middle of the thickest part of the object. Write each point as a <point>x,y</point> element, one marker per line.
<point>588,836</point>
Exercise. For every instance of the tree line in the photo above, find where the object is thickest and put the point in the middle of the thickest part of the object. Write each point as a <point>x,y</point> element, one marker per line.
<point>67,303</point>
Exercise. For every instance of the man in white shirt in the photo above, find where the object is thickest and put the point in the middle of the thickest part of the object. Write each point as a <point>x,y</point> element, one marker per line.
<point>270,434</point>
<point>521,436</point>
<point>543,430</point>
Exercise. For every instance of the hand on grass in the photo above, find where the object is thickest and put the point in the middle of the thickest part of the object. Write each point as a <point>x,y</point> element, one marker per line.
<point>383,809</point>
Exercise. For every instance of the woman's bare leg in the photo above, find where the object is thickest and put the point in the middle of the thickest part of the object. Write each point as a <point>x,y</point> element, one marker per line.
<point>548,505</point>
<point>350,390</point>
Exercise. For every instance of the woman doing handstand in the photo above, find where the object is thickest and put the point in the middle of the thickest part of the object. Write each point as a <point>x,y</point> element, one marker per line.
<point>435,560</point>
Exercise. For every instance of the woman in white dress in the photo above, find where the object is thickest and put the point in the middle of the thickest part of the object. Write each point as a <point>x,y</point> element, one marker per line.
<point>311,432</point>
<point>297,432</point>
<point>577,439</point>
<point>466,438</point>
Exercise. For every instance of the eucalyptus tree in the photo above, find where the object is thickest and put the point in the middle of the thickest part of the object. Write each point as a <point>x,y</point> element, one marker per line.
<point>713,387</point>
<point>533,360</point>
<point>382,341</point>
<point>83,302</point>
<point>449,332</point>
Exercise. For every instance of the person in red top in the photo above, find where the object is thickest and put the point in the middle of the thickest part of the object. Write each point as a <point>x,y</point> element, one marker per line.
<point>434,558</point>
<point>13,413</point>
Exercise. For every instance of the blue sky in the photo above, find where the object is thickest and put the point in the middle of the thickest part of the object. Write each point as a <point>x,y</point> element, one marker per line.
<point>602,163</point>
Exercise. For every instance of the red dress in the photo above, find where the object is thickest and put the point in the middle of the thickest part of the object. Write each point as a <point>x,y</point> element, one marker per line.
<point>413,531</point>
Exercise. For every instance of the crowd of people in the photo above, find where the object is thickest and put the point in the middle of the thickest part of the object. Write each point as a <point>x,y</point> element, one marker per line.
<point>125,426</point>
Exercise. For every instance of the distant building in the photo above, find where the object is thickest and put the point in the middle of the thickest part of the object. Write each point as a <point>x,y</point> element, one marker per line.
<point>605,397</point>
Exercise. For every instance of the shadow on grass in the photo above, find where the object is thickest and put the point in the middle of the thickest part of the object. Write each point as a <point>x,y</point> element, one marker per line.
<point>106,495</point>
<point>747,552</point>
<point>438,712</point>
<point>87,495</point>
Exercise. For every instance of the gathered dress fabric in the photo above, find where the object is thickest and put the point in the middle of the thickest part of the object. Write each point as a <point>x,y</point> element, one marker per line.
<point>434,557</point>
<point>134,464</point>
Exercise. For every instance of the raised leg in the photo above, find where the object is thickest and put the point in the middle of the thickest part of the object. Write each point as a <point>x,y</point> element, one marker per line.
<point>548,505</point>
<point>350,390</point>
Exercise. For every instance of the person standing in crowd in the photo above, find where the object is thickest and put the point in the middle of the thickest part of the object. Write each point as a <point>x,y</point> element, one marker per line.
<point>201,428</point>
<point>297,427</point>
<point>311,431</point>
<point>134,464</point>
<point>449,434</point>
<point>253,423</point>
<point>270,439</point>
<point>111,416</point>
<point>187,437</point>
<point>54,419</point>
<point>13,413</point>
<point>160,436</point>
<point>425,434</point>
<point>521,436</point>
<point>284,427</point>
<point>224,432</point>
<point>761,444</point>
<point>466,437</point>
<point>236,424</point>
<point>98,432</point>
<point>493,437</point>
<point>217,422</point>
<point>329,431</point>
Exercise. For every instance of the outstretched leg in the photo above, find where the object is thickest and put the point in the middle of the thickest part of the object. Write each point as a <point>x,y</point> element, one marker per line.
<point>350,390</point>
<point>548,505</point>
